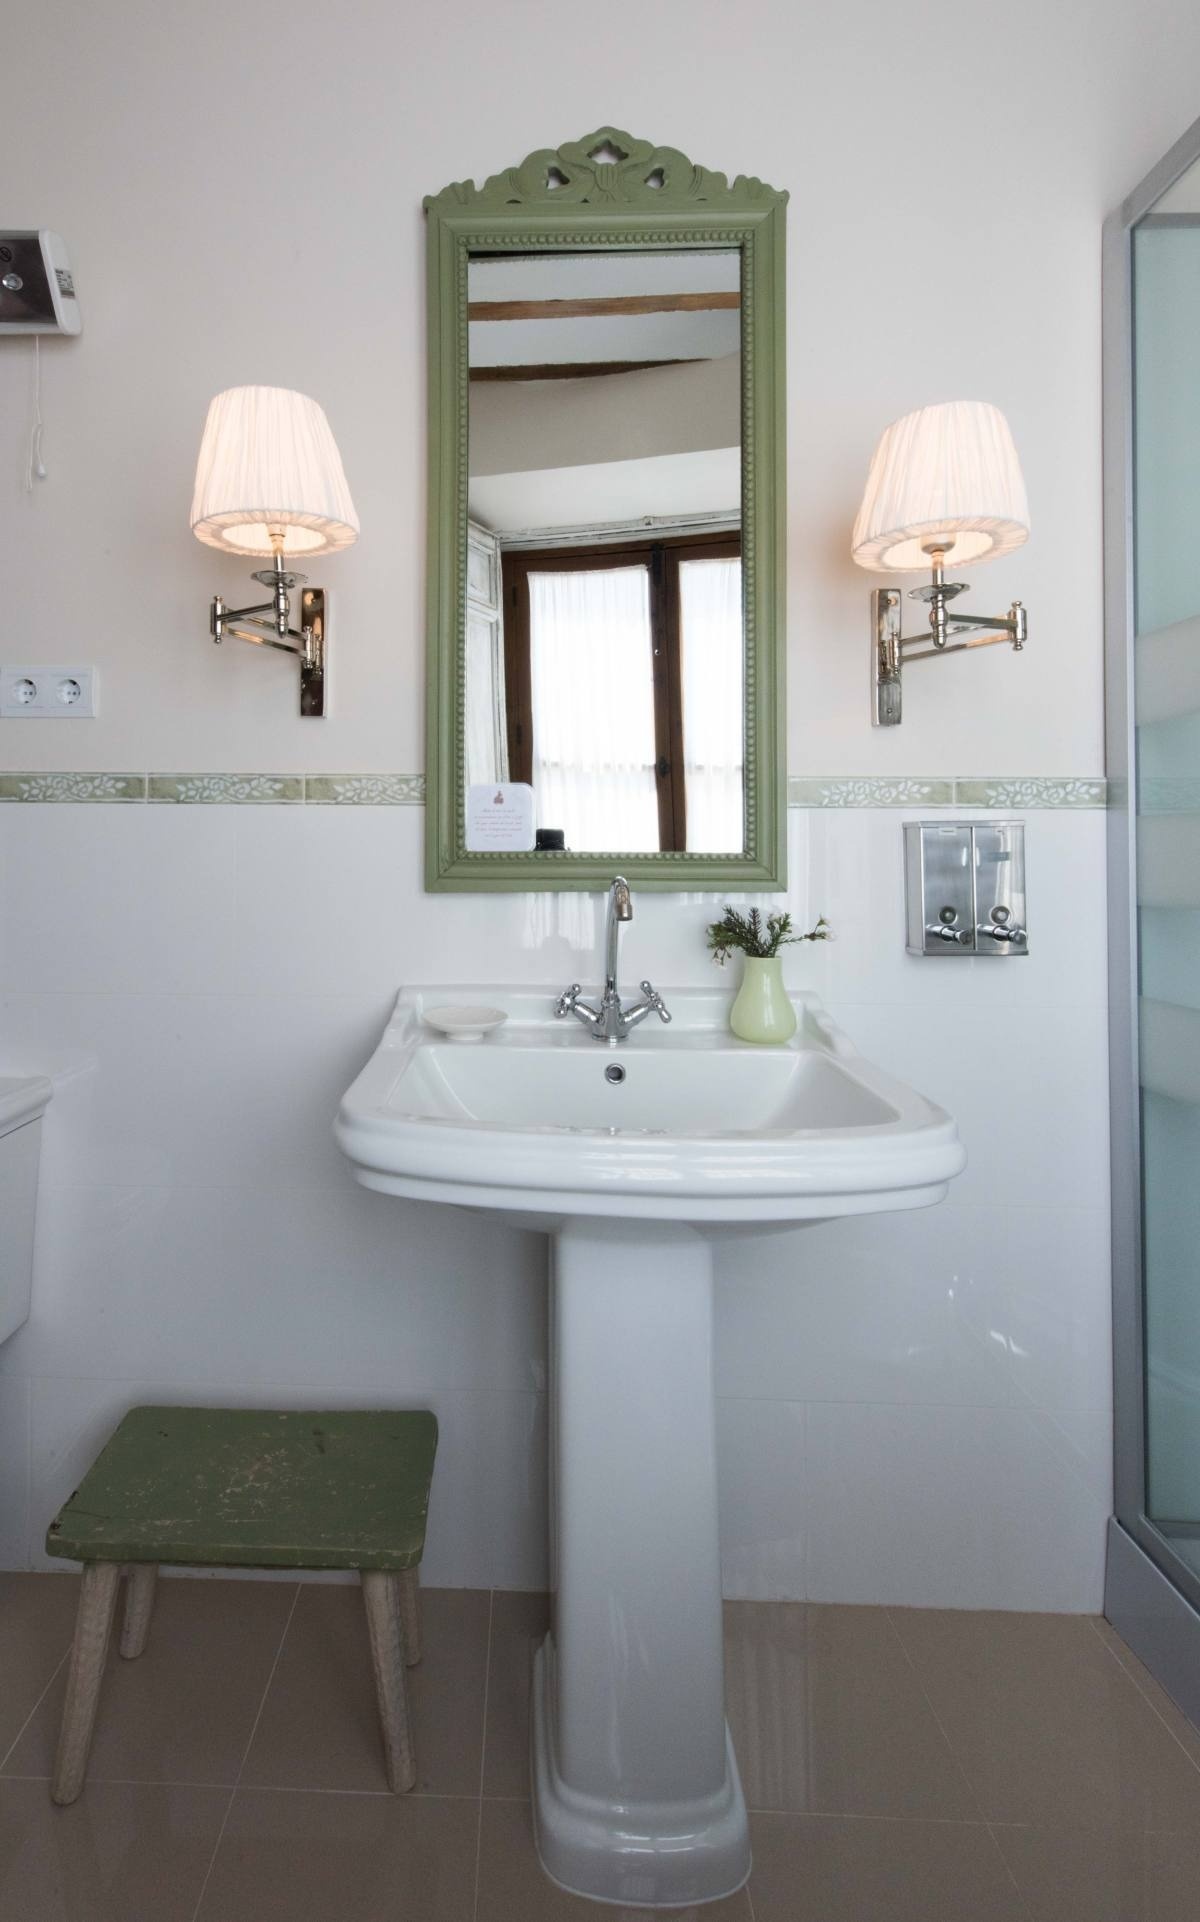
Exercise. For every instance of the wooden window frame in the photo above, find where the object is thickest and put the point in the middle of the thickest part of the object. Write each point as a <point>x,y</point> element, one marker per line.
<point>662,555</point>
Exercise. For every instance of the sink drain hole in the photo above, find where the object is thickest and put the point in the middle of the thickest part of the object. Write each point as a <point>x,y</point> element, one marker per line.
<point>614,1073</point>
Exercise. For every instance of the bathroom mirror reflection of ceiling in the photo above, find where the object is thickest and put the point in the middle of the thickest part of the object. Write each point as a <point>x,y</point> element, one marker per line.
<point>605,645</point>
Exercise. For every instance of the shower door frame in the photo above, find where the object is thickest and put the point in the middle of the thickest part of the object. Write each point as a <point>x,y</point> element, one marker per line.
<point>1151,1595</point>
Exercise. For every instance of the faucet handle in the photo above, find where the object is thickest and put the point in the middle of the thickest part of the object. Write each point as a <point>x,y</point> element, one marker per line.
<point>567,999</point>
<point>655,1001</point>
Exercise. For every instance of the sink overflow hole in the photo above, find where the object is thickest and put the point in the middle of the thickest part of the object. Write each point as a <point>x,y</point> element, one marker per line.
<point>614,1074</point>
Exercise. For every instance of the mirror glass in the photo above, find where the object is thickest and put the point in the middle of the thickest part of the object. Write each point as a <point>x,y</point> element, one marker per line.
<point>604,634</point>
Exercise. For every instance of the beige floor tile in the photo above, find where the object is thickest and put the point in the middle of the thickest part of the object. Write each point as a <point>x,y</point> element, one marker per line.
<point>834,1868</point>
<point>37,1617</point>
<point>514,1888</point>
<point>1075,1875</point>
<point>288,1857</point>
<point>519,1625</point>
<point>125,1852</point>
<point>182,1712</point>
<point>320,1727</point>
<point>1185,1733</point>
<point>828,1715</point>
<point>1051,1731</point>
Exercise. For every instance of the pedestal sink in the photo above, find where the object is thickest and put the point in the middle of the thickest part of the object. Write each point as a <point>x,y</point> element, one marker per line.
<point>633,1158</point>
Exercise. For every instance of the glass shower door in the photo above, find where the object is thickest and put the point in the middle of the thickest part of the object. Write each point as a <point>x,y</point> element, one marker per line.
<point>1166,678</point>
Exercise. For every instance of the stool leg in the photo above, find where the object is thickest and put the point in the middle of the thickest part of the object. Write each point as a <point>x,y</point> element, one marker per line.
<point>140,1583</point>
<point>410,1616</point>
<point>382,1603</point>
<point>93,1624</point>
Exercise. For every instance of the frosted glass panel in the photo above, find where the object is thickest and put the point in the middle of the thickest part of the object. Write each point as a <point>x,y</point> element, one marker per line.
<point>1166,310</point>
<point>1167,657</point>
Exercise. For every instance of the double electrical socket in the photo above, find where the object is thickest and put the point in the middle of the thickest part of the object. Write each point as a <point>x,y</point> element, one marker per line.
<point>48,693</point>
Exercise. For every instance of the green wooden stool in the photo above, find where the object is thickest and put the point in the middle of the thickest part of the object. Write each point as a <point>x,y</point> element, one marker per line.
<point>248,1488</point>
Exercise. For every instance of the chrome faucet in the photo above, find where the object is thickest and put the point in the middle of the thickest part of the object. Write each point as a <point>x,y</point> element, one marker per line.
<point>610,1021</point>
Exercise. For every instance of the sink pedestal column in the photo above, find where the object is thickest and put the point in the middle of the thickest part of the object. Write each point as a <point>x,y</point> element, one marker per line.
<point>636,1791</point>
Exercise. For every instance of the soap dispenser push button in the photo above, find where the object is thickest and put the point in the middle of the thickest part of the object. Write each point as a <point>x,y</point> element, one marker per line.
<point>946,928</point>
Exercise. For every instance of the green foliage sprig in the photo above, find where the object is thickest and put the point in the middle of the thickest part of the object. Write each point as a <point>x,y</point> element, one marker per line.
<point>758,938</point>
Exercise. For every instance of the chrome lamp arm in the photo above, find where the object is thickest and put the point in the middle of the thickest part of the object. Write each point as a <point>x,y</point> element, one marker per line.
<point>891,651</point>
<point>273,619</point>
<point>220,620</point>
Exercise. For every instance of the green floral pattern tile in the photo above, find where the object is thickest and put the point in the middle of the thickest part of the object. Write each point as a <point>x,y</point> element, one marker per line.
<point>1031,791</point>
<point>366,790</point>
<point>72,787</point>
<point>870,791</point>
<point>239,790</point>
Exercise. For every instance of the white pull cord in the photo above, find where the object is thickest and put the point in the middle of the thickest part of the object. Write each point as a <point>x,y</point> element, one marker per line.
<point>35,465</point>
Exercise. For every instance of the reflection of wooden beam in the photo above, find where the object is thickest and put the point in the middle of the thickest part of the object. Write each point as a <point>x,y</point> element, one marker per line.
<point>573,369</point>
<point>593,309</point>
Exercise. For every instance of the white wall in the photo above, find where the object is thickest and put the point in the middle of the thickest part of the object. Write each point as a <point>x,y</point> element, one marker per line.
<point>220,235</point>
<point>922,1420</point>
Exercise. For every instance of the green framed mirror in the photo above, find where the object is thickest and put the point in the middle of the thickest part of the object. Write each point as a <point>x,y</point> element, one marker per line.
<point>606,525</point>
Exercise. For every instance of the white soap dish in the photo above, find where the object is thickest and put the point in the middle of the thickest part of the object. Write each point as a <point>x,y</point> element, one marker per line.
<point>465,1024</point>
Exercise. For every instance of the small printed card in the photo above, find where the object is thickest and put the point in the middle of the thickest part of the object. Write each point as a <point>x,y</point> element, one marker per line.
<point>500,818</point>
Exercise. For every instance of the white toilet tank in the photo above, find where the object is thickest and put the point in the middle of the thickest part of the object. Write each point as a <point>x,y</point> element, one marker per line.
<point>23,1101</point>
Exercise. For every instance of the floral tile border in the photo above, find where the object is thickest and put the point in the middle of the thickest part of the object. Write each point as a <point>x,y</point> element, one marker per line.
<point>408,790</point>
<point>869,791</point>
<point>72,787</point>
<point>902,791</point>
<point>365,790</point>
<point>237,790</point>
<point>1031,791</point>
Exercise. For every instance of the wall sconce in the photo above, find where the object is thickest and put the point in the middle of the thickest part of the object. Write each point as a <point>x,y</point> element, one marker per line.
<point>944,487</point>
<point>269,481</point>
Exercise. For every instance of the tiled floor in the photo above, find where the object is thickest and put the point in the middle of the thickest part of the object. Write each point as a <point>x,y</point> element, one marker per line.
<point>901,1766</point>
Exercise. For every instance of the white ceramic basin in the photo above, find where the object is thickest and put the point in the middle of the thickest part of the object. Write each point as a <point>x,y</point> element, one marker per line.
<point>702,1128</point>
<point>636,1791</point>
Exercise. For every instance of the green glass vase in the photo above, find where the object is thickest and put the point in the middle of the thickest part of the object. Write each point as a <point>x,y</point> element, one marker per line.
<point>761,1010</point>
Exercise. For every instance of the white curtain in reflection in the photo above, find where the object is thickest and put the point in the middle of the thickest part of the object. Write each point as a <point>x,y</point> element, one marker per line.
<point>593,707</point>
<point>713,673</point>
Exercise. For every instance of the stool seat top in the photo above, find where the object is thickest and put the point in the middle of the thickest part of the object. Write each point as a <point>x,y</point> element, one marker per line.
<point>256,1488</point>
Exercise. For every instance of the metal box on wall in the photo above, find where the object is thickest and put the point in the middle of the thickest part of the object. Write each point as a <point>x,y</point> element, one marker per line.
<point>965,887</point>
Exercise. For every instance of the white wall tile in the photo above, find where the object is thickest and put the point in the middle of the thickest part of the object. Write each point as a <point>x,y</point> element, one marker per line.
<point>1054,1270</point>
<point>857,880</point>
<point>763,1498</point>
<point>948,1508</point>
<point>127,898</point>
<point>866,1309</point>
<point>329,1285</point>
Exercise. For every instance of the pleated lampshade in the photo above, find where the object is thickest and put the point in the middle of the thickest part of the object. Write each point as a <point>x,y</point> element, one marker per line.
<point>951,472</point>
<point>270,466</point>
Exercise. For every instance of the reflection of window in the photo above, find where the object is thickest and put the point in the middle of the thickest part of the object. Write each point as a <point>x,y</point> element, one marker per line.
<point>486,739</point>
<point>593,707</point>
<point>624,672</point>
<point>713,677</point>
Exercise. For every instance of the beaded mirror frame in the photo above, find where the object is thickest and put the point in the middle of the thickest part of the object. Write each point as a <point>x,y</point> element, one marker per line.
<point>608,190</point>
